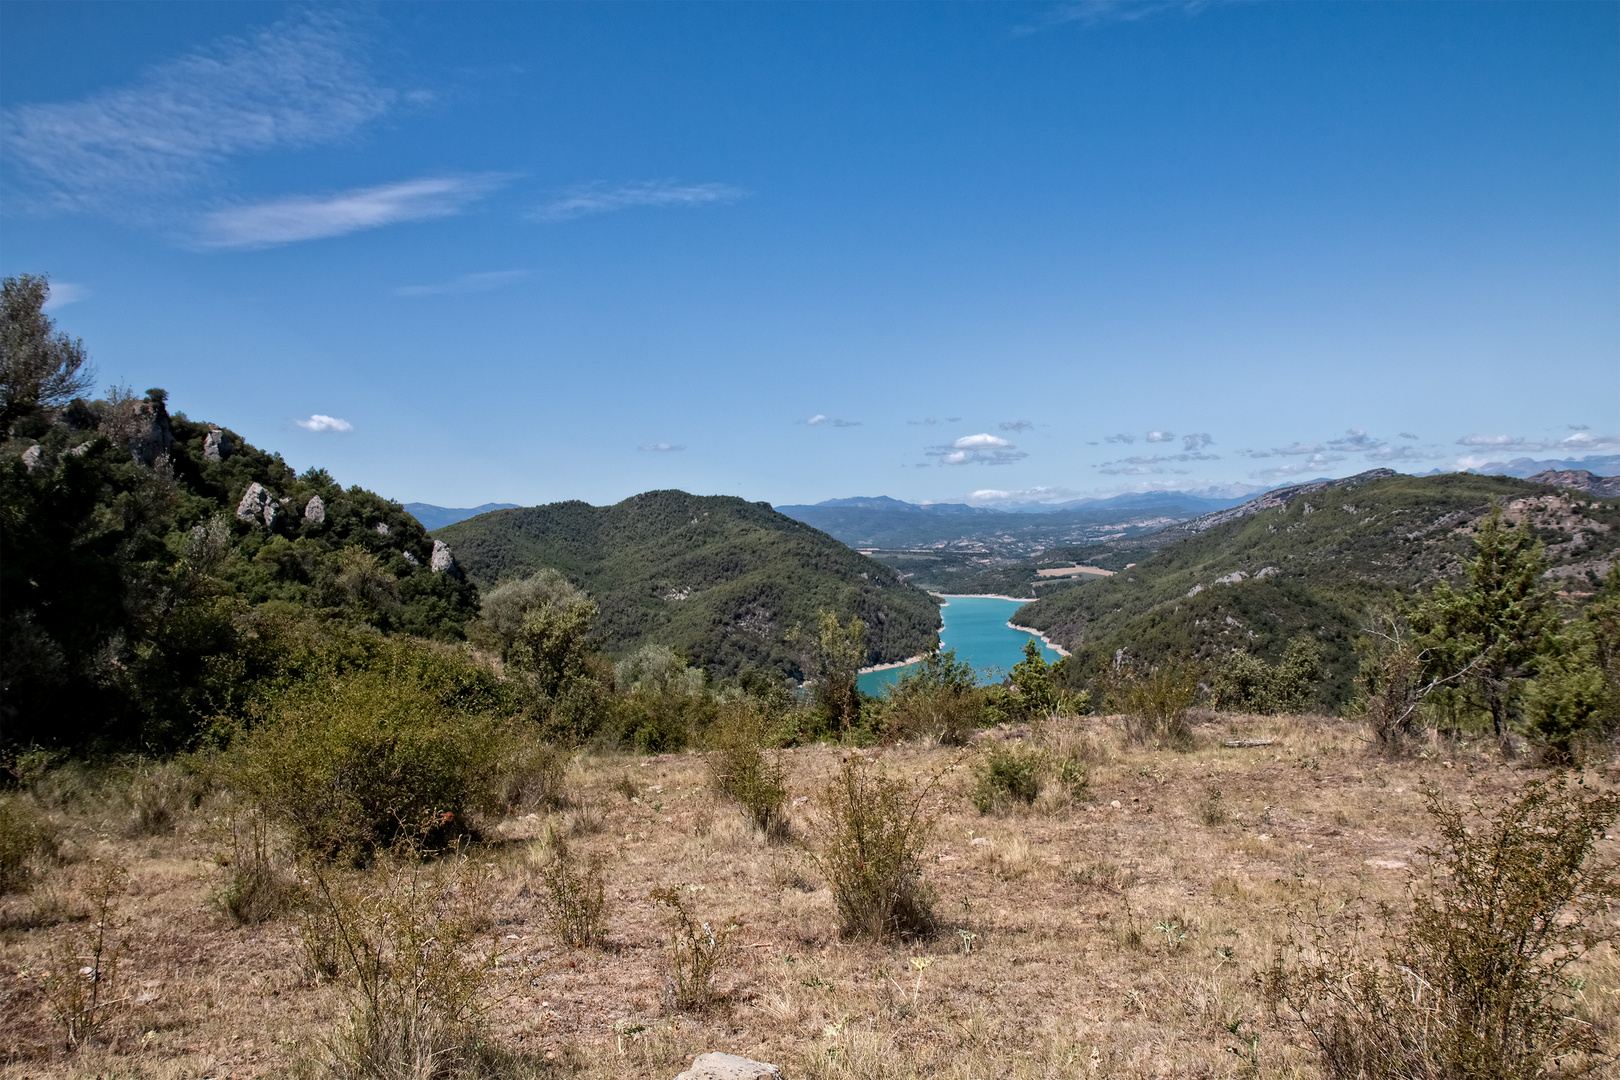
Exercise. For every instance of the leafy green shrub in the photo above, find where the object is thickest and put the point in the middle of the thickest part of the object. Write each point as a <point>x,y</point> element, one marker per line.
<point>741,771</point>
<point>938,698</point>
<point>839,653</point>
<point>1390,685</point>
<point>698,950</point>
<point>575,899</point>
<point>531,772</point>
<point>1037,692</point>
<point>1155,703</point>
<point>1474,985</point>
<point>873,830</point>
<point>350,763</point>
<point>1005,775</point>
<point>1247,683</point>
<point>26,835</point>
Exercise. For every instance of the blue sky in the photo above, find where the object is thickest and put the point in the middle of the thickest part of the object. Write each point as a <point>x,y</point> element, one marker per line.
<point>528,252</point>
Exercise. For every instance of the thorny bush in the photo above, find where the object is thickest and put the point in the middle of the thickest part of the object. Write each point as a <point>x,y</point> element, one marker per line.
<point>873,830</point>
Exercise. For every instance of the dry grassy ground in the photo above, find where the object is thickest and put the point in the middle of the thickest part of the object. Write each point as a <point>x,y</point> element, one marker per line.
<point>1114,935</point>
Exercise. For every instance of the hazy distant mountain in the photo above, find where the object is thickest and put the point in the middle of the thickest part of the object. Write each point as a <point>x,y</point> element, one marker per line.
<point>437,517</point>
<point>1017,532</point>
<point>1602,465</point>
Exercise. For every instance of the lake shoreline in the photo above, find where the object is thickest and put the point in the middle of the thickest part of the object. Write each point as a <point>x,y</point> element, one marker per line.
<point>892,666</point>
<point>1048,642</point>
<point>985,596</point>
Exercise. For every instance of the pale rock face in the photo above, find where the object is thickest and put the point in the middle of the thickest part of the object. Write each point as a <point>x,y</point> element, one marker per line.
<point>30,457</point>
<point>315,510</point>
<point>216,445</point>
<point>381,527</point>
<point>257,507</point>
<point>443,561</point>
<point>150,437</point>
<point>411,559</point>
<point>716,1066</point>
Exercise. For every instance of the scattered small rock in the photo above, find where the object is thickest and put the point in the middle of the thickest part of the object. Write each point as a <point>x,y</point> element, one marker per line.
<point>1242,744</point>
<point>717,1066</point>
<point>257,506</point>
<point>1385,864</point>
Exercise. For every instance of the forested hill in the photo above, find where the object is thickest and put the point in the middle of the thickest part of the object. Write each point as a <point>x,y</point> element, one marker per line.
<point>142,553</point>
<point>1314,560</point>
<point>725,581</point>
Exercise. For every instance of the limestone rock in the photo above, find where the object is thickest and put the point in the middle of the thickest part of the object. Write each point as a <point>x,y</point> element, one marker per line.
<point>716,1066</point>
<point>1579,480</point>
<point>315,510</point>
<point>216,445</point>
<point>443,562</point>
<point>30,457</point>
<point>149,435</point>
<point>410,558</point>
<point>257,507</point>
<point>382,528</point>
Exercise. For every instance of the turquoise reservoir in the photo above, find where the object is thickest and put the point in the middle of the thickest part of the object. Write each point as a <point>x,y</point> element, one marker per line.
<point>976,627</point>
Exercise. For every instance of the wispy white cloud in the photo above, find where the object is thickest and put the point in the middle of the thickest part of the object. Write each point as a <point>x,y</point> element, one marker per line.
<point>1121,438</point>
<point>1039,494</point>
<point>1312,464</point>
<point>1196,441</point>
<point>1160,436</point>
<point>64,293</point>
<point>1149,464</point>
<point>316,217</point>
<point>1102,12</point>
<point>299,82</point>
<point>466,283</point>
<point>831,421</point>
<point>1015,425</point>
<point>319,422</point>
<point>605,198</point>
<point>1582,441</point>
<point>660,447</point>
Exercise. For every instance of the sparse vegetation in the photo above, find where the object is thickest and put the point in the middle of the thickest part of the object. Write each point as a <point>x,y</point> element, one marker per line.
<point>1006,775</point>
<point>1474,984</point>
<point>26,835</point>
<point>873,829</point>
<point>742,772</point>
<point>1154,702</point>
<point>698,951</point>
<point>574,898</point>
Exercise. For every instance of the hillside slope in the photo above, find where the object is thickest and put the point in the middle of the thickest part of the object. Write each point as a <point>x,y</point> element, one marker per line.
<point>1314,559</point>
<point>723,580</point>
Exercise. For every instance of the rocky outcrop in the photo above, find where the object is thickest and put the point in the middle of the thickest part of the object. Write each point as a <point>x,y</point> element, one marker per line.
<point>258,506</point>
<point>717,1066</point>
<point>30,457</point>
<point>1278,497</point>
<point>410,557</point>
<point>315,511</point>
<point>382,528</point>
<point>1607,487</point>
<point>216,445</point>
<point>149,435</point>
<point>443,562</point>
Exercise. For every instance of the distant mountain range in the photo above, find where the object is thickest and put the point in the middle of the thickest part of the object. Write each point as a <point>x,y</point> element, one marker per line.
<point>879,522</point>
<point>437,517</point>
<point>1603,465</point>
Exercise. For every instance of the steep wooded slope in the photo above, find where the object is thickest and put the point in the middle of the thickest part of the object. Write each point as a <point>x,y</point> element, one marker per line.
<point>725,581</point>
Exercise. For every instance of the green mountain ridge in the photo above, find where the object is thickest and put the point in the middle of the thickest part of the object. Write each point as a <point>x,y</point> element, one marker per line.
<point>728,583</point>
<point>1316,560</point>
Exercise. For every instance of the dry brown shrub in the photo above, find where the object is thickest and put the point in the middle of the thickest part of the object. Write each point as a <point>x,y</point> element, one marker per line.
<point>873,830</point>
<point>698,951</point>
<point>574,896</point>
<point>82,983</point>
<point>1473,985</point>
<point>741,771</point>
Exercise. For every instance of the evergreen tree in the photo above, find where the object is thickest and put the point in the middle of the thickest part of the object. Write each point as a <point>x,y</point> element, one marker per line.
<point>1489,633</point>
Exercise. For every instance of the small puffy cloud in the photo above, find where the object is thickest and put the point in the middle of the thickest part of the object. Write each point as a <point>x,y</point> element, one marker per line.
<point>606,198</point>
<point>321,423</point>
<point>1408,435</point>
<point>982,449</point>
<point>1015,425</point>
<point>317,217</point>
<point>981,442</point>
<point>64,293</point>
<point>1120,438</point>
<point>1355,439</point>
<point>831,421</point>
<point>466,283</point>
<point>660,447</point>
<point>1197,441</point>
<point>1160,436</point>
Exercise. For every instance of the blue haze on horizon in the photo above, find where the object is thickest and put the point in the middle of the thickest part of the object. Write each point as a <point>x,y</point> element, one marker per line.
<point>462,253</point>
